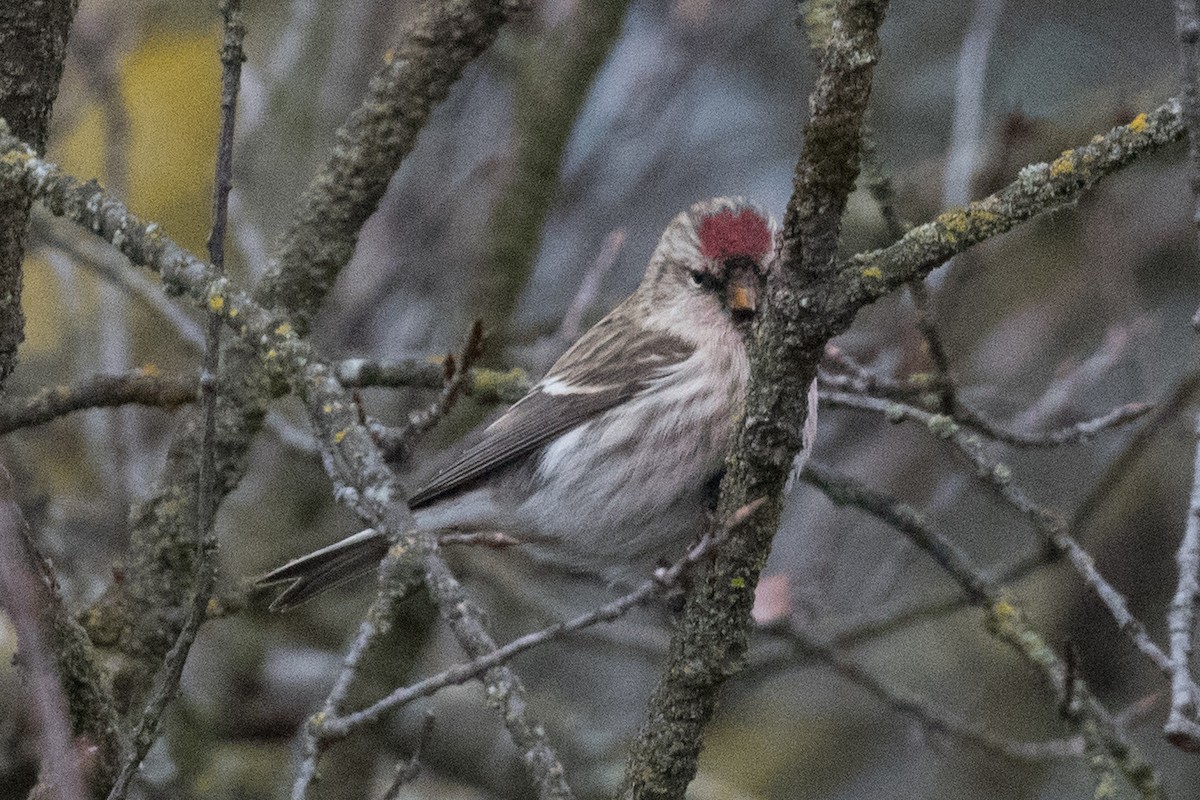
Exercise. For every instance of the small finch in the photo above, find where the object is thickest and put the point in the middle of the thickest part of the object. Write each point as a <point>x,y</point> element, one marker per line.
<point>609,463</point>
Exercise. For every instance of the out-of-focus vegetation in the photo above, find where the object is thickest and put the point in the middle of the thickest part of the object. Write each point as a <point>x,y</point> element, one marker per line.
<point>697,98</point>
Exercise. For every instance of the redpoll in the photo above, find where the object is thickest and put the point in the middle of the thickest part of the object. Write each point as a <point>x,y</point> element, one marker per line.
<point>606,466</point>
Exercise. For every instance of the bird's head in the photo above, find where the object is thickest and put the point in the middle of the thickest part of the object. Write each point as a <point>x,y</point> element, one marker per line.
<point>711,262</point>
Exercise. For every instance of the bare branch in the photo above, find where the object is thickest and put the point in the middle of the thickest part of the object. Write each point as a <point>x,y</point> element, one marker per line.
<point>609,612</point>
<point>1183,724</point>
<point>1040,188</point>
<point>144,387</point>
<point>711,639</point>
<point>1005,621</point>
<point>28,602</point>
<point>1048,523</point>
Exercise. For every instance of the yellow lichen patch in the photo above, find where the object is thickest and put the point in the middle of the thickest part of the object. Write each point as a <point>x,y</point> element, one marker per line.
<point>1139,123</point>
<point>337,437</point>
<point>233,312</point>
<point>953,223</point>
<point>15,158</point>
<point>216,303</point>
<point>327,408</point>
<point>397,551</point>
<point>272,353</point>
<point>875,273</point>
<point>150,370</point>
<point>1063,165</point>
<point>1003,610</point>
<point>738,582</point>
<point>389,56</point>
<point>284,329</point>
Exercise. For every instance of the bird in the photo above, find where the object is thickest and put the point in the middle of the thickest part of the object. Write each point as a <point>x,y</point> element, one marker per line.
<point>608,465</point>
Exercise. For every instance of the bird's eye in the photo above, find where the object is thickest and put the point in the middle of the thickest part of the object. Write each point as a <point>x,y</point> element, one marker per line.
<point>705,280</point>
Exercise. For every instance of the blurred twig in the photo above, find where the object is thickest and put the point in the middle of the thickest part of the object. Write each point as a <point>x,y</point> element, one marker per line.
<point>553,75</point>
<point>31,603</point>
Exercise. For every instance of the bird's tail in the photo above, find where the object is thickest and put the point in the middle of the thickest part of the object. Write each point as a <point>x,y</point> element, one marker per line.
<point>310,575</point>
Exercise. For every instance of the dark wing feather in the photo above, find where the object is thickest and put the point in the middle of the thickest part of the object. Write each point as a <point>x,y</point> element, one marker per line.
<point>599,372</point>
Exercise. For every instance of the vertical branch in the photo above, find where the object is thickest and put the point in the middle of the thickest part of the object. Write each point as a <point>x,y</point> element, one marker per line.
<point>33,44</point>
<point>1183,723</point>
<point>167,680</point>
<point>802,311</point>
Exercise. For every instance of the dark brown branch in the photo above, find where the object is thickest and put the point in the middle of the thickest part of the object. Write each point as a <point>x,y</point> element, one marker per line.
<point>33,46</point>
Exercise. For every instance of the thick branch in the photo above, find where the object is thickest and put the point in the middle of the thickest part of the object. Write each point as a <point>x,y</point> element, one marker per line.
<point>33,45</point>
<point>710,642</point>
<point>434,49</point>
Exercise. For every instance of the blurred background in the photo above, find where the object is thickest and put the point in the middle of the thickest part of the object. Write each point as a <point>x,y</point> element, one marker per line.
<point>553,165</point>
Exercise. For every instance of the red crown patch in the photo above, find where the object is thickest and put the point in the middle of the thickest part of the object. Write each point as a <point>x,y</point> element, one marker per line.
<point>726,234</point>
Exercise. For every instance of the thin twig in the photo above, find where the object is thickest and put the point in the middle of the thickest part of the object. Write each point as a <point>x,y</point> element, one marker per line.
<point>1076,433</point>
<point>1005,619</point>
<point>1183,726</point>
<point>408,770</point>
<point>166,682</point>
<point>662,580</point>
<point>396,442</point>
<point>1048,523</point>
<point>928,714</point>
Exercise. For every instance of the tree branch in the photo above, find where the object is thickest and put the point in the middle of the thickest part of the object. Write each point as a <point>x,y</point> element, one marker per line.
<point>1038,189</point>
<point>33,46</point>
<point>1005,620</point>
<point>790,337</point>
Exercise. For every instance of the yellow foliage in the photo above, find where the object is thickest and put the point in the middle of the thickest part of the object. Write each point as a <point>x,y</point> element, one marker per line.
<point>171,89</point>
